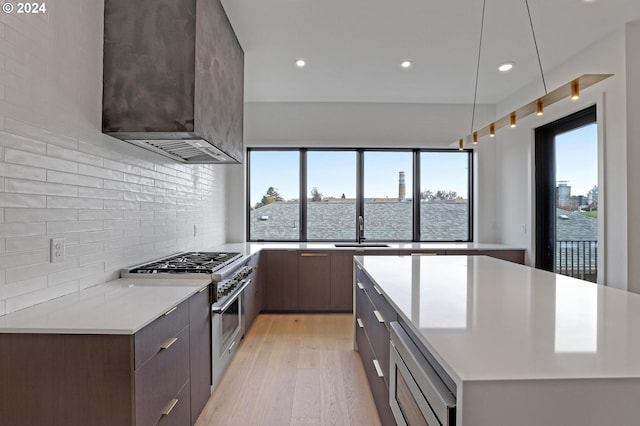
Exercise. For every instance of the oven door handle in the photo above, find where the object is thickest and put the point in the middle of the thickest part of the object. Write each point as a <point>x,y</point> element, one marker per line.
<point>221,309</point>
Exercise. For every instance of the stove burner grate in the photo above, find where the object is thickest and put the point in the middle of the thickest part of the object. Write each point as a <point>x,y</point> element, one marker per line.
<point>193,262</point>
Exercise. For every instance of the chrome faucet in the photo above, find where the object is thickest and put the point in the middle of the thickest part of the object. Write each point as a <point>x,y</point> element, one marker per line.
<point>361,237</point>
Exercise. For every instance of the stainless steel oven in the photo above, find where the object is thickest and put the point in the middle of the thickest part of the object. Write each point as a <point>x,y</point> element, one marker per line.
<point>417,394</point>
<point>227,316</point>
<point>226,332</point>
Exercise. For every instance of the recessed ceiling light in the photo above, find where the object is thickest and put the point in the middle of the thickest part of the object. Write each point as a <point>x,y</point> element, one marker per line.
<point>506,66</point>
<point>301,63</point>
<point>405,64</point>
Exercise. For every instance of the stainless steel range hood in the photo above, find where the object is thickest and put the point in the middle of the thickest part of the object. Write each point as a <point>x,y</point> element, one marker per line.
<point>194,151</point>
<point>173,79</point>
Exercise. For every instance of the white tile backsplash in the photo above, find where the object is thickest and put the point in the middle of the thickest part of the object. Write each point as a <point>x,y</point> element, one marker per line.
<point>101,172</point>
<point>22,200</point>
<point>45,188</point>
<point>73,203</point>
<point>26,243</point>
<point>38,160</point>
<point>19,288</point>
<point>115,204</point>
<point>9,230</point>
<point>74,179</point>
<point>10,140</point>
<point>74,155</point>
<point>23,172</point>
<point>39,215</point>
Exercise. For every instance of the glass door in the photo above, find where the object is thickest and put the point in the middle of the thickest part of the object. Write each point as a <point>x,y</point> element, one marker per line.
<point>567,196</point>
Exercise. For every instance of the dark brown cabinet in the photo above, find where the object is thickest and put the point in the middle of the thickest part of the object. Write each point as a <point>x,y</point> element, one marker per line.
<point>281,279</point>
<point>314,280</point>
<point>373,316</point>
<point>342,281</point>
<point>199,351</point>
<point>159,381</point>
<point>307,280</point>
<point>253,293</point>
<point>160,375</point>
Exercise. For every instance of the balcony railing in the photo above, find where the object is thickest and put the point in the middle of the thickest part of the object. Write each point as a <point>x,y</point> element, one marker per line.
<point>578,259</point>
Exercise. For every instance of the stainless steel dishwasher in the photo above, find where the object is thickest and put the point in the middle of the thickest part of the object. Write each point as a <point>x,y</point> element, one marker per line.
<point>417,393</point>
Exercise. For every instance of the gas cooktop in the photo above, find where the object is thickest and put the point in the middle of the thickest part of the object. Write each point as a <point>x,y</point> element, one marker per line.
<point>187,263</point>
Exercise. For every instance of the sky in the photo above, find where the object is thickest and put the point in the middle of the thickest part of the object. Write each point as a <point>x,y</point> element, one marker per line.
<point>333,173</point>
<point>577,159</point>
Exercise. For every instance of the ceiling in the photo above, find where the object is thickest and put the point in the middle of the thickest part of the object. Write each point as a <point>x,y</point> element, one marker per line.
<point>353,48</point>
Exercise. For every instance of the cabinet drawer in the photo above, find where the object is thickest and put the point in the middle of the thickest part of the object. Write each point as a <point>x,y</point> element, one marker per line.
<point>379,302</point>
<point>377,332</point>
<point>149,340</point>
<point>379,387</point>
<point>159,380</point>
<point>178,410</point>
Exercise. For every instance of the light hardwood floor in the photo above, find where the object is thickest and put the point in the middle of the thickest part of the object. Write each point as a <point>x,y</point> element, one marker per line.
<point>294,369</point>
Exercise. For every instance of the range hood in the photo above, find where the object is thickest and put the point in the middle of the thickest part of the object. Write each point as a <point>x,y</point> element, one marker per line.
<point>173,79</point>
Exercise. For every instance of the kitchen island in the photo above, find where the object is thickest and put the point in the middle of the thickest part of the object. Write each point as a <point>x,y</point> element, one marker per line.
<point>517,345</point>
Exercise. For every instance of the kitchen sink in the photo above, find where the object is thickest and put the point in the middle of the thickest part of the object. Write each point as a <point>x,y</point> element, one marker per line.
<point>361,245</point>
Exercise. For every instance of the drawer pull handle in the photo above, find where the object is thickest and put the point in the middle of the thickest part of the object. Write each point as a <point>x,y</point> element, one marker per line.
<point>360,324</point>
<point>203,289</point>
<point>313,255</point>
<point>232,345</point>
<point>360,286</point>
<point>377,290</point>
<point>168,343</point>
<point>170,310</point>
<point>376,365</point>
<point>167,409</point>
<point>378,316</point>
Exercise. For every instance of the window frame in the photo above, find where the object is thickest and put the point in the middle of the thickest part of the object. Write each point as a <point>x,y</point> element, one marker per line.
<point>360,154</point>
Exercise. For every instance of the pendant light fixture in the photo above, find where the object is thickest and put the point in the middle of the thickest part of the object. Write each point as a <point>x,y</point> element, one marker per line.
<point>575,89</point>
<point>571,89</point>
<point>539,106</point>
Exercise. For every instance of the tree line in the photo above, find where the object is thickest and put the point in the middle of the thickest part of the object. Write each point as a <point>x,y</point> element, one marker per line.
<point>272,195</point>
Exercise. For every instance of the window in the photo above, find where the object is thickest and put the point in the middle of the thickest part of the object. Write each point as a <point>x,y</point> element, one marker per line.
<point>444,196</point>
<point>566,157</point>
<point>310,194</point>
<point>331,195</point>
<point>274,190</point>
<point>387,195</point>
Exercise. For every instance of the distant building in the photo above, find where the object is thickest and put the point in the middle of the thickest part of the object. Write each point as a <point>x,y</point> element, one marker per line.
<point>402,191</point>
<point>563,196</point>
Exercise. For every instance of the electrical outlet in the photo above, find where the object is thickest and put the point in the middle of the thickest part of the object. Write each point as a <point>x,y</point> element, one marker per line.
<point>57,250</point>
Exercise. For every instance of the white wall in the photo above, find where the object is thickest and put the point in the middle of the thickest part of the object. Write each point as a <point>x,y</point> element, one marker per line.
<point>514,153</point>
<point>115,204</point>
<point>633,151</point>
<point>353,124</point>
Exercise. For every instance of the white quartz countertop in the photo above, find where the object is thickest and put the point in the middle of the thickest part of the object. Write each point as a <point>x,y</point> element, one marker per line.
<point>254,247</point>
<point>124,306</point>
<point>488,319</point>
<point>121,306</point>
